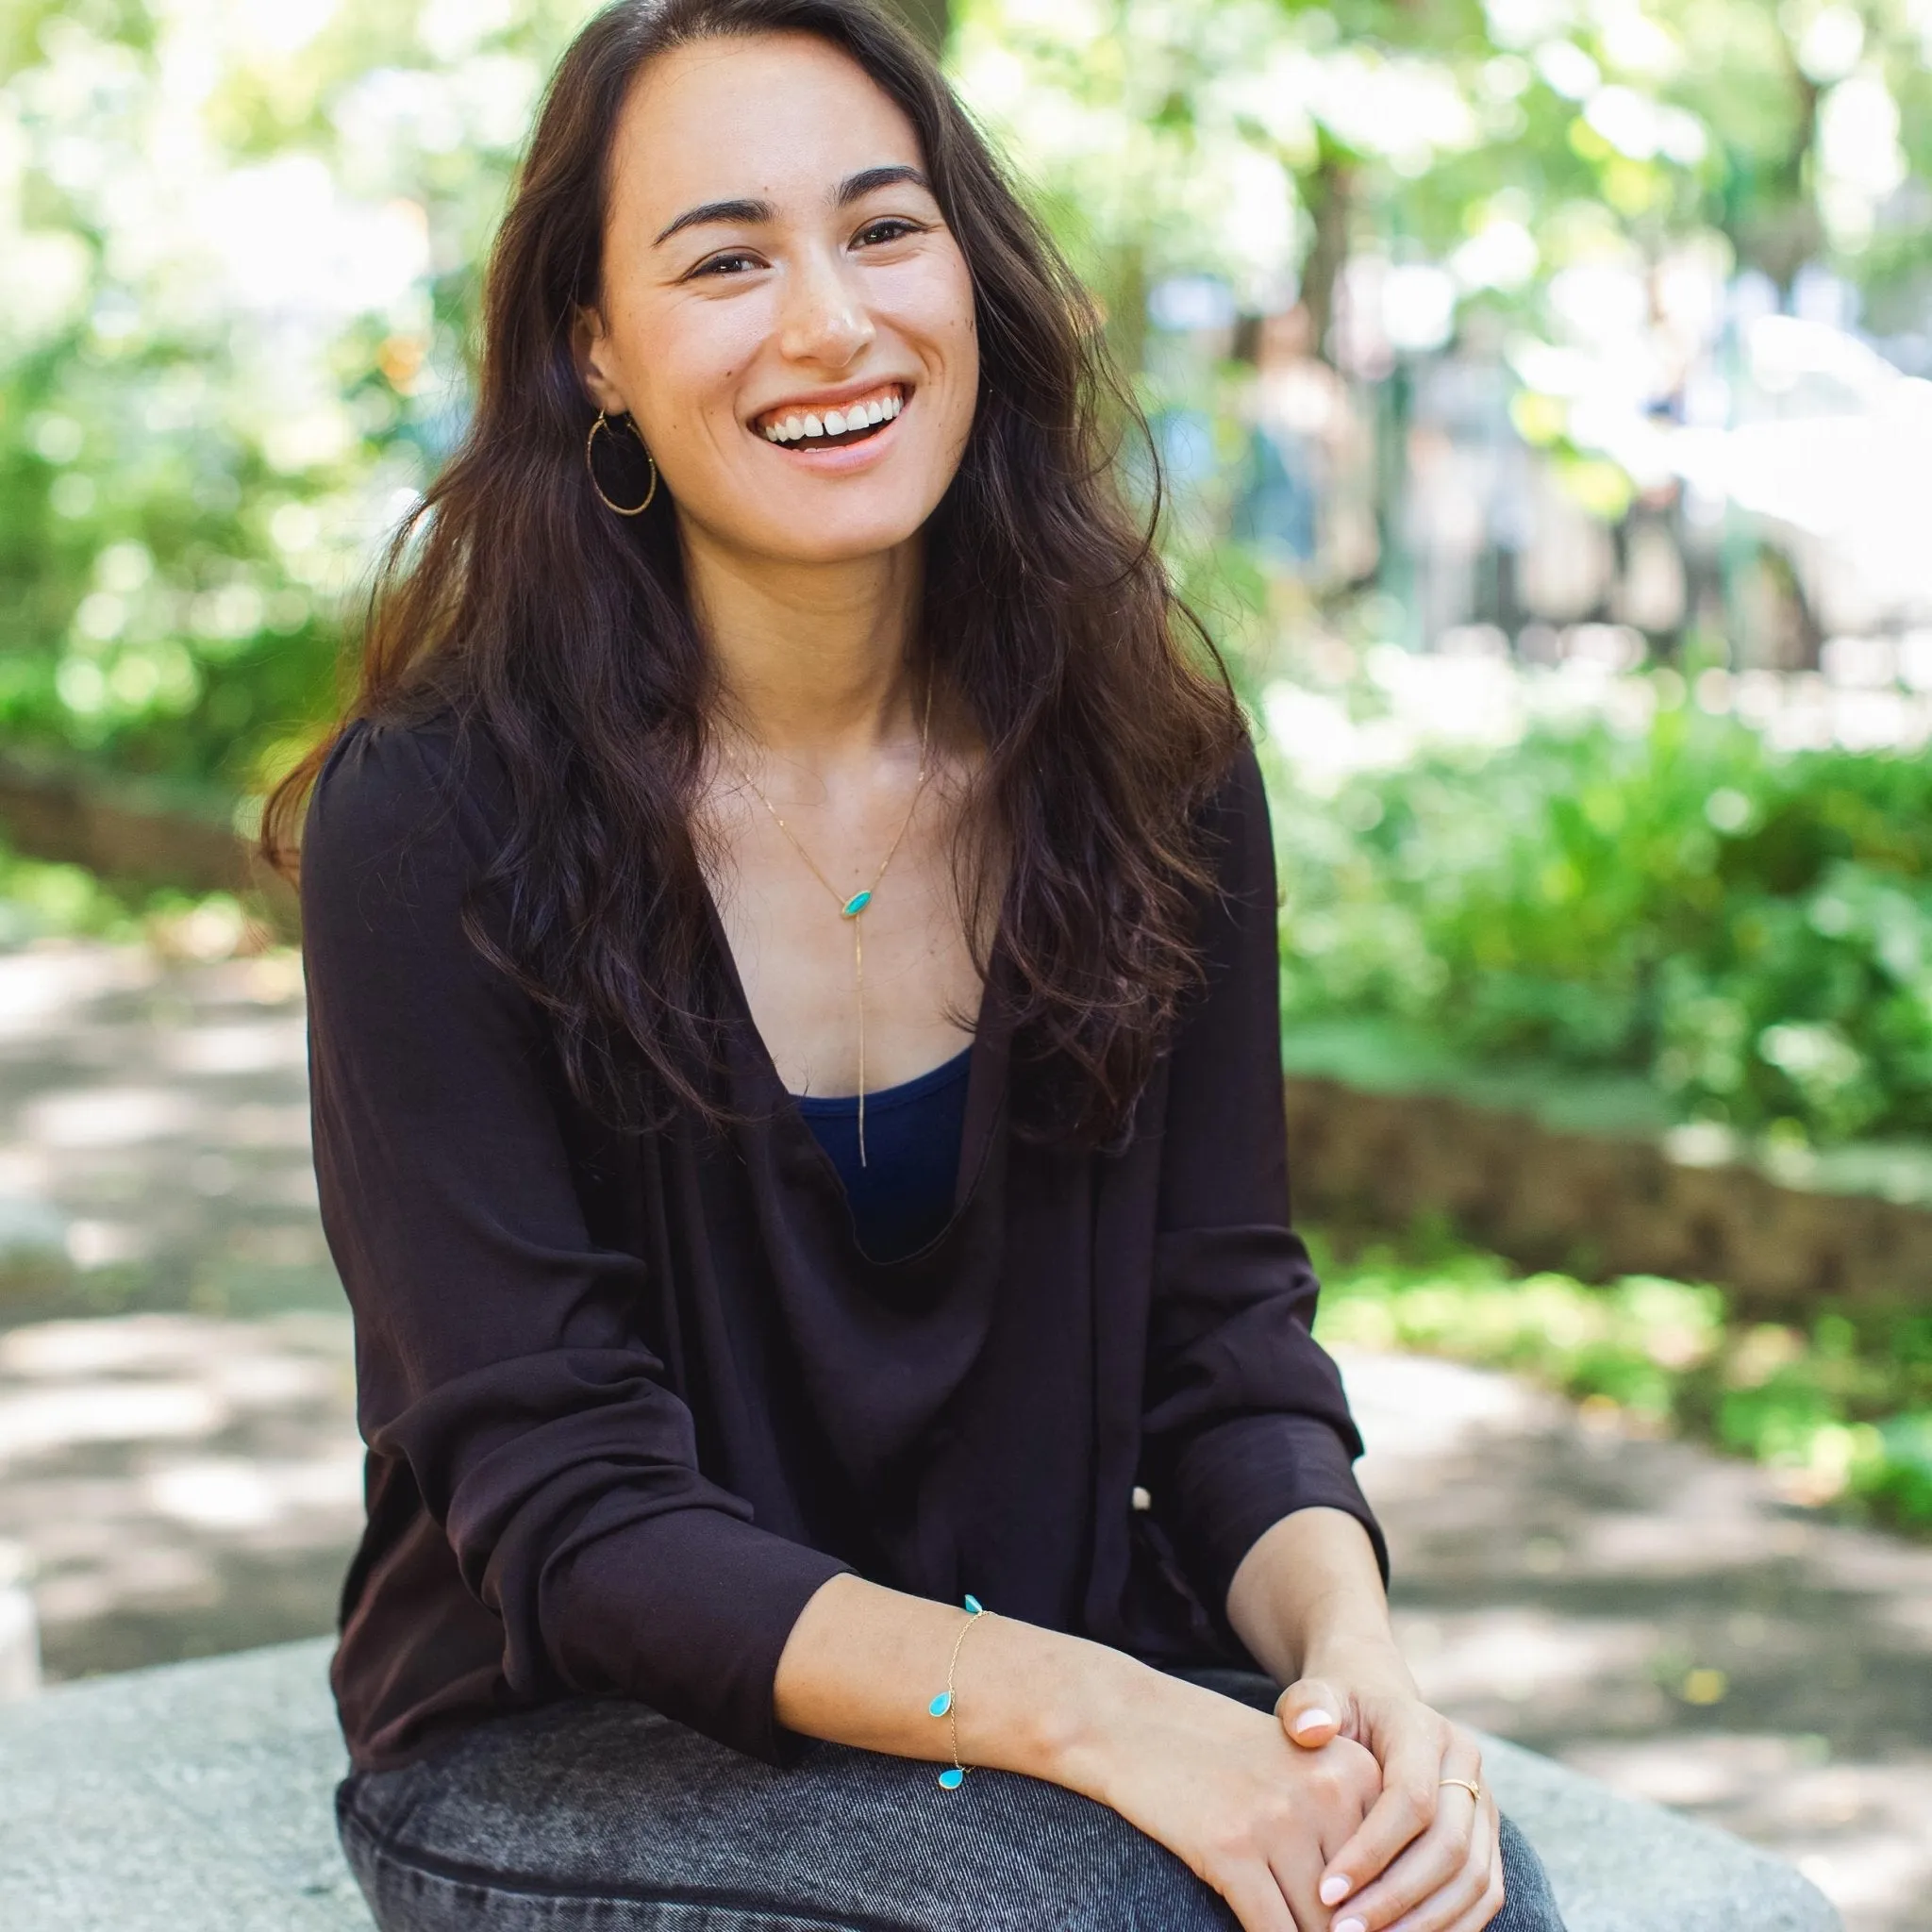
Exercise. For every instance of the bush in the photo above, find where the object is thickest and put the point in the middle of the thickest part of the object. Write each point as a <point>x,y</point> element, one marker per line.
<point>1749,930</point>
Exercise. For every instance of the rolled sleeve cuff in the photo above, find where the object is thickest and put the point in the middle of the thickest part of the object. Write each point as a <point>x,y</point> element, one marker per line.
<point>1235,1480</point>
<point>689,1612</point>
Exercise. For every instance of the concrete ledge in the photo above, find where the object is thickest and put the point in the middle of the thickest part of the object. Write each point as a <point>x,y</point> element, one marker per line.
<point>198,1798</point>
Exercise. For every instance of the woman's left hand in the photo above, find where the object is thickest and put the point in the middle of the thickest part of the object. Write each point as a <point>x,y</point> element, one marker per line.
<point>1427,1858</point>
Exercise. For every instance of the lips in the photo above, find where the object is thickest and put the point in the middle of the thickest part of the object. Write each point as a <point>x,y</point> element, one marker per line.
<point>832,423</point>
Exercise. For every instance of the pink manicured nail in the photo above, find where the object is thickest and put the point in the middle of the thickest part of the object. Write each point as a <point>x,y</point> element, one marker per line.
<point>1310,1720</point>
<point>1333,1891</point>
<point>1351,1925</point>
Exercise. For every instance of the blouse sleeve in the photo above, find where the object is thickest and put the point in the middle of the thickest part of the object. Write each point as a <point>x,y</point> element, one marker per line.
<point>1244,1420</point>
<point>497,1353</point>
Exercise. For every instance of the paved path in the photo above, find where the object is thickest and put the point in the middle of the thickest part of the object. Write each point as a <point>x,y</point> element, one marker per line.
<point>178,1469</point>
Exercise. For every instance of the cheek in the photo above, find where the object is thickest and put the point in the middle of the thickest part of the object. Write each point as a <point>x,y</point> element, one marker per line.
<point>686,383</point>
<point>940,315</point>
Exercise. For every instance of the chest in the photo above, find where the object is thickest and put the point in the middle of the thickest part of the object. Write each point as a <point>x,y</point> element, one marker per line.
<point>805,966</point>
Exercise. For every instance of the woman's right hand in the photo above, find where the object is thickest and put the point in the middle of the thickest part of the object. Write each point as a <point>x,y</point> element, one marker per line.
<point>1222,1788</point>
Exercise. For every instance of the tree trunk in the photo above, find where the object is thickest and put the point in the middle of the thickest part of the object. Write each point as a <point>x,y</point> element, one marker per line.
<point>1330,196</point>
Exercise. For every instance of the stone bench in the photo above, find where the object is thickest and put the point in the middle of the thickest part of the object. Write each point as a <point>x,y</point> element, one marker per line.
<point>198,1798</point>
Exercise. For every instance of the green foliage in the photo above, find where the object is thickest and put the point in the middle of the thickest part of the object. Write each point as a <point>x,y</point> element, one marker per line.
<point>240,249</point>
<point>1752,931</point>
<point>40,901</point>
<point>1842,1408</point>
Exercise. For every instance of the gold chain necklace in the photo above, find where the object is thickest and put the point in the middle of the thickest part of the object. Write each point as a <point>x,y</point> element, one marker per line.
<point>852,907</point>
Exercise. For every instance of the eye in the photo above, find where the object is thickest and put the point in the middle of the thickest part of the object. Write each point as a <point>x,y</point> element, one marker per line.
<point>888,228</point>
<point>726,265</point>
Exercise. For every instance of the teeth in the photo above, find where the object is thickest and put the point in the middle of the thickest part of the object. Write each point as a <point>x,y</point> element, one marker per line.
<point>863,415</point>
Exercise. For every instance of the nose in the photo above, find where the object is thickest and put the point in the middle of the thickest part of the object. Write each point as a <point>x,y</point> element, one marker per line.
<point>824,321</point>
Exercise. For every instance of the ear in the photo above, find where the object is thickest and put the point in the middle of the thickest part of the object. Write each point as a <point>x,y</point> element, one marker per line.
<point>591,347</point>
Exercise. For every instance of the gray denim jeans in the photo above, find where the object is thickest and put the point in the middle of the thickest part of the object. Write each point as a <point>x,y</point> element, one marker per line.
<point>600,1816</point>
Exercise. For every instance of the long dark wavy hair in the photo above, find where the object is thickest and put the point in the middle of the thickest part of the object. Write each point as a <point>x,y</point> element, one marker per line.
<point>514,600</point>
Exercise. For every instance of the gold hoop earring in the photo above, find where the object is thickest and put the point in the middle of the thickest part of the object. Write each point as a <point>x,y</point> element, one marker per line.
<point>589,464</point>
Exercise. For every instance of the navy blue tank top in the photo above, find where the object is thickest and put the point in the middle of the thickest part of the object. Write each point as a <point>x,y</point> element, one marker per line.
<point>903,1195</point>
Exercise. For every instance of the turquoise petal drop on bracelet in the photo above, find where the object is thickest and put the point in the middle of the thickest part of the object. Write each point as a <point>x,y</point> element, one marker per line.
<point>973,1603</point>
<point>856,904</point>
<point>941,1704</point>
<point>953,1777</point>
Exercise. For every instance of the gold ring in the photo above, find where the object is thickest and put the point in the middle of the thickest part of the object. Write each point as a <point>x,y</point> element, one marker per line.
<point>1474,1791</point>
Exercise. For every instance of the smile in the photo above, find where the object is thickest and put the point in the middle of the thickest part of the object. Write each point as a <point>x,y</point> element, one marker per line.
<point>835,428</point>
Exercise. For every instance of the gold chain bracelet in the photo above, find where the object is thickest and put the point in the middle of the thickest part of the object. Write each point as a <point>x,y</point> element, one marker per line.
<point>942,1706</point>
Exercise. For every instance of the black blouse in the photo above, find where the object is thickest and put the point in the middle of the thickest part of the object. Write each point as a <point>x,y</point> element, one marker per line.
<point>630,1400</point>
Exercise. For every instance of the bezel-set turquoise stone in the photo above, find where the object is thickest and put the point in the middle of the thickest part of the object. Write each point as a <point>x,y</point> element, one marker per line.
<point>941,1704</point>
<point>953,1777</point>
<point>856,904</point>
<point>973,1603</point>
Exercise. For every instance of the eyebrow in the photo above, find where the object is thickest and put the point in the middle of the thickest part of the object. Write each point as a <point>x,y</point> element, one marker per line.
<point>749,211</point>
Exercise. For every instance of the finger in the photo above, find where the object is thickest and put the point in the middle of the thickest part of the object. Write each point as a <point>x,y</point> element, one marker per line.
<point>1296,1879</point>
<point>1472,1897</point>
<point>1425,1882</point>
<point>1309,1710</point>
<point>1255,1899</point>
<point>1433,1860</point>
<point>1494,1899</point>
<point>1411,1796</point>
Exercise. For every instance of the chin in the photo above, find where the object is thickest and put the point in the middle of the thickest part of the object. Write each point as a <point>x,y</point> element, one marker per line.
<point>805,535</point>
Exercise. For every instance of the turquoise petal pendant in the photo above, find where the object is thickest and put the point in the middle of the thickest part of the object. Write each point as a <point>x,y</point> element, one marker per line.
<point>856,904</point>
<point>953,1777</point>
<point>941,1704</point>
<point>973,1603</point>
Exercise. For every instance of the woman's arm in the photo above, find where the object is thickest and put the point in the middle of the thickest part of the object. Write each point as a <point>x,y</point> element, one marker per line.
<point>1248,1438</point>
<point>1215,1781</point>
<point>498,1355</point>
<point>1245,1420</point>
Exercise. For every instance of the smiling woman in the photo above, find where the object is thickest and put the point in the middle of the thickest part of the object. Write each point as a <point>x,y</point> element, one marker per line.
<point>773,710</point>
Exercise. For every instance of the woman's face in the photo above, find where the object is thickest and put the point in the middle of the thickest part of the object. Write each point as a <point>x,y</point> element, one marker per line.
<point>784,311</point>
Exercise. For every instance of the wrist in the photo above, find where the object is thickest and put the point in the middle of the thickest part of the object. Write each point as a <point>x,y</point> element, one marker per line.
<point>1354,1659</point>
<point>1079,1733</point>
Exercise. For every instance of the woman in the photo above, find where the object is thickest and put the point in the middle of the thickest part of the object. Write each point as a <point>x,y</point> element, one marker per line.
<point>791,935</point>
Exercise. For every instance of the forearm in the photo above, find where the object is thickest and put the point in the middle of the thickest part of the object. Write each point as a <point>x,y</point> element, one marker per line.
<point>1308,1595</point>
<point>863,1663</point>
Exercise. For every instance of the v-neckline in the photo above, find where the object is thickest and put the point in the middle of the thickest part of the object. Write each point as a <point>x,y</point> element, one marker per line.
<point>986,1078</point>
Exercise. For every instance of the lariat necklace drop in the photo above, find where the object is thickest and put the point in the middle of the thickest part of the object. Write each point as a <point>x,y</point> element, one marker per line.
<point>852,907</point>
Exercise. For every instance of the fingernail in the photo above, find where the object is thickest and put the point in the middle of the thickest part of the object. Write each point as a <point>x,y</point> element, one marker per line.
<point>1334,1889</point>
<point>1351,1925</point>
<point>1312,1720</point>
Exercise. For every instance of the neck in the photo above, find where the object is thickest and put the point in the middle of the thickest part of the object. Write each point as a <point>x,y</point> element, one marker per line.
<point>812,658</point>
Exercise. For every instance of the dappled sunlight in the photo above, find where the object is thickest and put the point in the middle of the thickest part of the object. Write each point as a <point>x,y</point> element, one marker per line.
<point>1514,1654</point>
<point>109,1117</point>
<point>53,1418</point>
<point>39,987</point>
<point>154,1462</point>
<point>239,1049</point>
